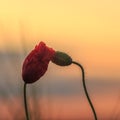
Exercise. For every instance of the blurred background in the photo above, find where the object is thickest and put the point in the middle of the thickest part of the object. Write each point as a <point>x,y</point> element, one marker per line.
<point>89,31</point>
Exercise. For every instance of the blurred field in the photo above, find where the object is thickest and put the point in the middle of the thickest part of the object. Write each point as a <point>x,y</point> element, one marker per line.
<point>57,98</point>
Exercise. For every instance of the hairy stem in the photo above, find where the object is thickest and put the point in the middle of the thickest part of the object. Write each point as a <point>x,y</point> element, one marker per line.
<point>25,102</point>
<point>85,88</point>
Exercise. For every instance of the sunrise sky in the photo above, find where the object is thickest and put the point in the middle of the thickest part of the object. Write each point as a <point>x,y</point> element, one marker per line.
<point>88,30</point>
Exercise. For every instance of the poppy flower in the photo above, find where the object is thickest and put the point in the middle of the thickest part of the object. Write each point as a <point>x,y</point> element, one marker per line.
<point>36,63</point>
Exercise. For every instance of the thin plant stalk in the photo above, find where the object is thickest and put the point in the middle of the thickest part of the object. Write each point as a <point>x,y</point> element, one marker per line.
<point>85,88</point>
<point>25,102</point>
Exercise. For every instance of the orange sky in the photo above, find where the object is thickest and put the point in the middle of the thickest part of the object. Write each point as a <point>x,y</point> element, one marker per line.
<point>88,30</point>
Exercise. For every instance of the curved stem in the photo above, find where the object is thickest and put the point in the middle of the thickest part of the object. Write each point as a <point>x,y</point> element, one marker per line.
<point>25,102</point>
<point>85,89</point>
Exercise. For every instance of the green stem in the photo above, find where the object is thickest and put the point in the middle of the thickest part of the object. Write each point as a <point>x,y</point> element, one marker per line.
<point>25,102</point>
<point>85,89</point>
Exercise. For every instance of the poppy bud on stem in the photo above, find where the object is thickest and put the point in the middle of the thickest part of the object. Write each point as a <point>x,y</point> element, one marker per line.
<point>34,67</point>
<point>63,59</point>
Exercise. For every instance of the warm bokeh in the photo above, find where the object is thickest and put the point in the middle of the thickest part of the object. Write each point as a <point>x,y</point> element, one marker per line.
<point>88,30</point>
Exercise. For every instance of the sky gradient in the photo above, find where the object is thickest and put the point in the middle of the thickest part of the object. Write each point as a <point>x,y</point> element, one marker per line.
<point>86,30</point>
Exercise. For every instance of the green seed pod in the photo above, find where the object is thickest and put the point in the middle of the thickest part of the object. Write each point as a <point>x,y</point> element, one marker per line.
<point>62,59</point>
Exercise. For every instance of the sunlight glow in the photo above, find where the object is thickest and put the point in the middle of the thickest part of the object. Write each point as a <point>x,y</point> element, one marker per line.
<point>90,27</point>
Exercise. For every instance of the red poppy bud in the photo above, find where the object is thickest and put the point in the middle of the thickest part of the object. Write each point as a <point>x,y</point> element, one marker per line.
<point>36,63</point>
<point>61,59</point>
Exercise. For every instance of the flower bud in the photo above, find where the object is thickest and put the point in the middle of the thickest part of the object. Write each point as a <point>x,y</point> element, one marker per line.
<point>36,63</point>
<point>62,59</point>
